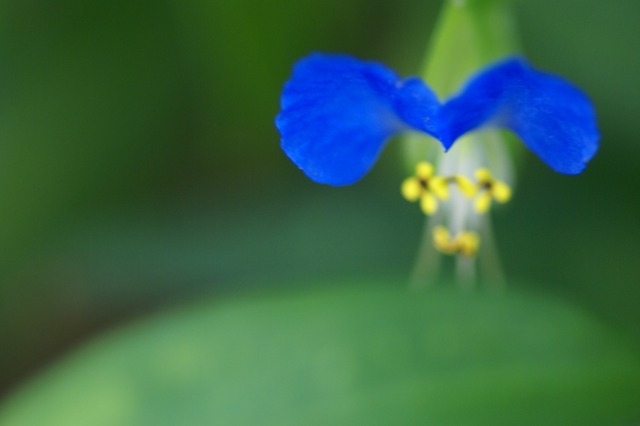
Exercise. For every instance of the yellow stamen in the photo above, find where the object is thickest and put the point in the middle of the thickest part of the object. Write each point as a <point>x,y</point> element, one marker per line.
<point>424,170</point>
<point>428,203</point>
<point>426,187</point>
<point>483,175</point>
<point>429,188</point>
<point>465,243</point>
<point>489,188</point>
<point>465,185</point>
<point>483,202</point>
<point>411,189</point>
<point>438,186</point>
<point>442,240</point>
<point>501,192</point>
<point>468,243</point>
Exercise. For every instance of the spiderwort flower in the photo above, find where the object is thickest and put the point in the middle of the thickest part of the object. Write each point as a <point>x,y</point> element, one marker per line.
<point>337,113</point>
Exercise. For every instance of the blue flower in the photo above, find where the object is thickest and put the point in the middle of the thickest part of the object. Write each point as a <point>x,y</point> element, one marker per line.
<point>337,112</point>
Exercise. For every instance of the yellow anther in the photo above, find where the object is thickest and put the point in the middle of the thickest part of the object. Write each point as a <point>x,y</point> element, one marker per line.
<point>465,243</point>
<point>465,185</point>
<point>428,203</point>
<point>489,188</point>
<point>483,202</point>
<point>411,189</point>
<point>426,187</point>
<point>424,170</point>
<point>468,243</point>
<point>442,240</point>
<point>501,192</point>
<point>439,186</point>
<point>483,175</point>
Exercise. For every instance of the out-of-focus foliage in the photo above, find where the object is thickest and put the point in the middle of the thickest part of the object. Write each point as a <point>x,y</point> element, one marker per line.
<point>344,355</point>
<point>139,164</point>
<point>124,123</point>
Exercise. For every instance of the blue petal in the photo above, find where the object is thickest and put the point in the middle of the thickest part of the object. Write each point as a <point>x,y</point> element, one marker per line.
<point>552,117</point>
<point>337,112</point>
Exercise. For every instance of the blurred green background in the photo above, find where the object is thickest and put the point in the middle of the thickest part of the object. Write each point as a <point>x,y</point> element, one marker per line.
<point>140,167</point>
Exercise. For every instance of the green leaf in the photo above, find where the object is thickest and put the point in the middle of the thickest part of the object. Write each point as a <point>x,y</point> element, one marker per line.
<point>353,354</point>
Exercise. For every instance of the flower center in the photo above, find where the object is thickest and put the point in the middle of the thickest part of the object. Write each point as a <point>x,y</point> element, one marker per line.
<point>430,189</point>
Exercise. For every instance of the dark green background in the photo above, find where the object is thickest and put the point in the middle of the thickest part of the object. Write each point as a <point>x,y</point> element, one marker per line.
<point>140,167</point>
